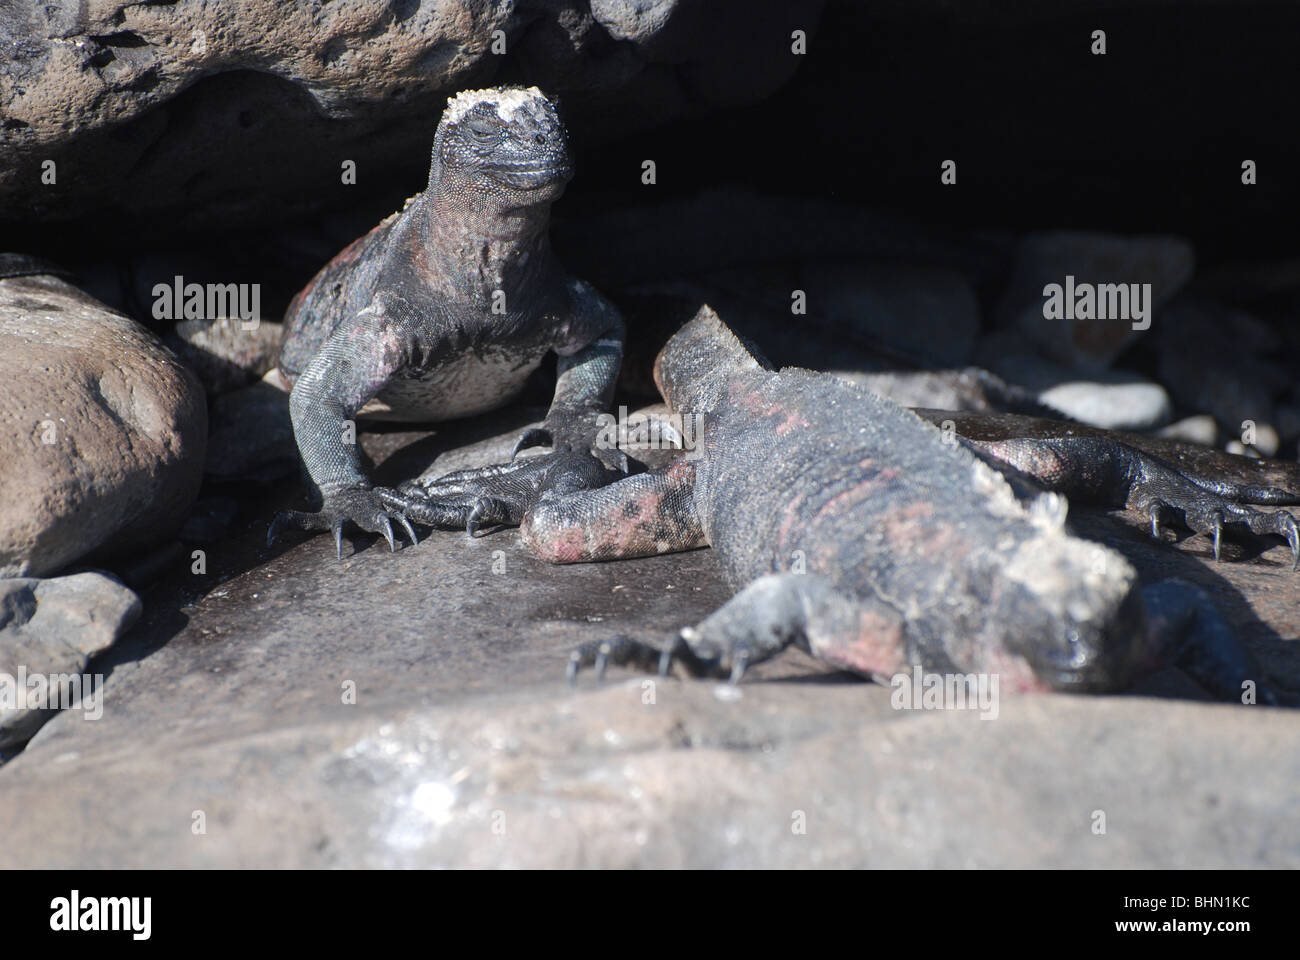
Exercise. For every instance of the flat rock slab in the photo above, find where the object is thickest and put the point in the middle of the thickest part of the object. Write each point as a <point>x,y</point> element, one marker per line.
<point>409,709</point>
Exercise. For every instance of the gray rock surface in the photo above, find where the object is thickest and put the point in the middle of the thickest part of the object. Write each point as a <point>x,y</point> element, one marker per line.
<point>48,630</point>
<point>252,434</point>
<point>162,109</point>
<point>227,353</point>
<point>1048,257</point>
<point>228,739</point>
<point>102,431</point>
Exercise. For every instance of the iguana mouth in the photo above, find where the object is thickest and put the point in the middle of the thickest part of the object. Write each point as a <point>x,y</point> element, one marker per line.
<point>530,176</point>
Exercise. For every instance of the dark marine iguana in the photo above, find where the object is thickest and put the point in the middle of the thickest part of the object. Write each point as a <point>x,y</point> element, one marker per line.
<point>852,529</point>
<point>444,309</point>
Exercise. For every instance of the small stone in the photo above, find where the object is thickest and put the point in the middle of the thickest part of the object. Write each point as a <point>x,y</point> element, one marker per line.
<point>49,629</point>
<point>1136,405</point>
<point>1201,428</point>
<point>1110,399</point>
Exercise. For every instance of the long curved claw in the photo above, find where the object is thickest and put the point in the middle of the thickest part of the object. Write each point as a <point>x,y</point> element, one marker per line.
<point>475,515</point>
<point>571,671</point>
<point>1153,514</point>
<point>274,529</point>
<point>1293,540</point>
<point>602,661</point>
<point>532,437</point>
<point>338,536</point>
<point>1216,518</point>
<point>738,666</point>
<point>406,526</point>
<point>386,528</point>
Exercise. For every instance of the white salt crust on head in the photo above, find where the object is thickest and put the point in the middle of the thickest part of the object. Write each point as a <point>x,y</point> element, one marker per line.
<point>506,101</point>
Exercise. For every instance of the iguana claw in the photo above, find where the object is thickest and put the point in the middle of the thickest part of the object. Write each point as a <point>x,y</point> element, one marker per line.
<point>532,437</point>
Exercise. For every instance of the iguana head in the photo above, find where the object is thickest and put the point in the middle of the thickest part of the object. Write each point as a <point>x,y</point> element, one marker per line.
<point>503,143</point>
<point>692,369</point>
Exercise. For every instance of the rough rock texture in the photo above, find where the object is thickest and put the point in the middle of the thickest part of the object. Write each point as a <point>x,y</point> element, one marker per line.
<point>51,628</point>
<point>102,431</point>
<point>1050,256</point>
<point>238,111</point>
<point>465,748</point>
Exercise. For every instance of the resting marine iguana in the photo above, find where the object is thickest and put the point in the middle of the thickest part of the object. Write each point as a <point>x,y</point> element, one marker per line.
<point>445,308</point>
<point>852,529</point>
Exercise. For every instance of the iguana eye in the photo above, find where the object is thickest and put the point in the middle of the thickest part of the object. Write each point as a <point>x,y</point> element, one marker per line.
<point>482,131</point>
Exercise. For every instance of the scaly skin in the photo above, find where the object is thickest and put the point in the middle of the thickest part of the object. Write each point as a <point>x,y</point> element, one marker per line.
<point>850,527</point>
<point>444,309</point>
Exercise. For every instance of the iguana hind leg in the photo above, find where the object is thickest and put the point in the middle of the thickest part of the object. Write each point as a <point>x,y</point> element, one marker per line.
<point>1098,469</point>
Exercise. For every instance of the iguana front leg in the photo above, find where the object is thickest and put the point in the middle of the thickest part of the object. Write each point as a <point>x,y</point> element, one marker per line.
<point>587,370</point>
<point>770,614</point>
<point>352,366</point>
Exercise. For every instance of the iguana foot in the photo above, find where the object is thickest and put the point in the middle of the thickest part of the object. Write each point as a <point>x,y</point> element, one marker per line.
<point>1205,512</point>
<point>498,494</point>
<point>644,654</point>
<point>713,653</point>
<point>368,509</point>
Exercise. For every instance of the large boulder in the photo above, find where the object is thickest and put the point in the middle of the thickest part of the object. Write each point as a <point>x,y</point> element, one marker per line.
<point>214,111</point>
<point>102,431</point>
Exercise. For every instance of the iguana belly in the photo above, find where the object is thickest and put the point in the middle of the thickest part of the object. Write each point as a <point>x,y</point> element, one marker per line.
<point>468,384</point>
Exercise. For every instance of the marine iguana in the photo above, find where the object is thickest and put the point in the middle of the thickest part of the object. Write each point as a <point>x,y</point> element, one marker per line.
<point>445,308</point>
<point>850,527</point>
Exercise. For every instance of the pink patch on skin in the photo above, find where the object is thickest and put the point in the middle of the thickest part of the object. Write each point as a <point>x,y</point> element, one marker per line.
<point>754,403</point>
<point>787,523</point>
<point>876,646</point>
<point>792,422</point>
<point>908,530</point>
<point>567,546</point>
<point>842,502</point>
<point>1014,673</point>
